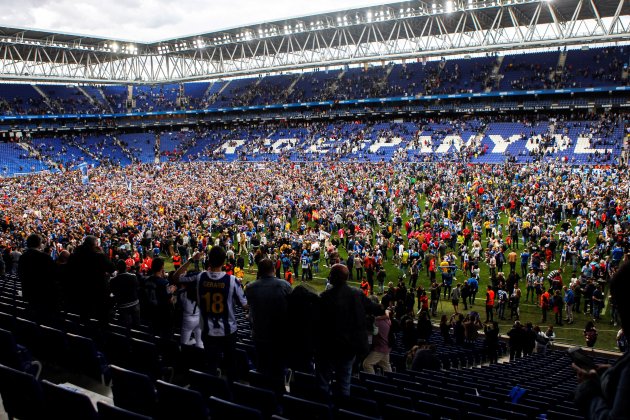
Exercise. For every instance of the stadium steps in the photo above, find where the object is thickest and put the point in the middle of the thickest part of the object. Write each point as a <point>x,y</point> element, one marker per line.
<point>87,95</point>
<point>292,85</point>
<point>494,75</point>
<point>43,94</point>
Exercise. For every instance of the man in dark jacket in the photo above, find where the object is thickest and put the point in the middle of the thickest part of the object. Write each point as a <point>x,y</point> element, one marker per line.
<point>267,299</point>
<point>37,275</point>
<point>343,331</point>
<point>89,270</point>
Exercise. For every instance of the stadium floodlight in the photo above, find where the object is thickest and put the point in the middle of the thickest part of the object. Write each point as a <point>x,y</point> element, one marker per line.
<point>368,15</point>
<point>115,47</point>
<point>449,6</point>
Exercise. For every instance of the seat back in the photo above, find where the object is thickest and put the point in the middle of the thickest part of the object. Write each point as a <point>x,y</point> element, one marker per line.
<point>86,358</point>
<point>300,409</point>
<point>225,410</point>
<point>209,385</point>
<point>109,412</point>
<point>254,397</point>
<point>9,354</point>
<point>133,391</point>
<point>64,403</point>
<point>177,402</point>
<point>21,394</point>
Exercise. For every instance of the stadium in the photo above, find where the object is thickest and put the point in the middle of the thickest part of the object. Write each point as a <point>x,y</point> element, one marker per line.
<point>396,211</point>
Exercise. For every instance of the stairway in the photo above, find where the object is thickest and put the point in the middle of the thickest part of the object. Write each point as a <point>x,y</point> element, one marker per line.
<point>105,101</point>
<point>87,95</point>
<point>293,83</point>
<point>494,76</point>
<point>35,153</point>
<point>47,100</point>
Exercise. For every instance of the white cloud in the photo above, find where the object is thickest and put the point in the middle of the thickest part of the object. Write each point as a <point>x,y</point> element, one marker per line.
<point>151,20</point>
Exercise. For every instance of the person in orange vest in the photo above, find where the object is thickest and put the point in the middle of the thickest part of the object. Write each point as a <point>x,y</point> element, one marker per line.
<point>544,304</point>
<point>288,276</point>
<point>177,261</point>
<point>365,287</point>
<point>490,304</point>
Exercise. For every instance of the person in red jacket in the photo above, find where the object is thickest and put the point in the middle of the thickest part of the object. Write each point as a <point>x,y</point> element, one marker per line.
<point>365,287</point>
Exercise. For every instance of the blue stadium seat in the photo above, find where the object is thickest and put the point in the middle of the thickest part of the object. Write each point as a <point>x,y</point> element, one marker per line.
<point>385,398</point>
<point>146,358</point>
<point>86,359</point>
<point>21,394</point>
<point>209,385</point>
<point>61,402</point>
<point>254,397</point>
<point>225,410</point>
<point>117,348</point>
<point>16,356</point>
<point>133,391</point>
<point>477,416</point>
<point>349,415</point>
<point>110,412</point>
<point>299,409</point>
<point>364,406</point>
<point>25,333</point>
<point>394,412</point>
<point>177,402</point>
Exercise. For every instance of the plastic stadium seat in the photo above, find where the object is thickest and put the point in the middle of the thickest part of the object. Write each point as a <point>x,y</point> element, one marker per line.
<point>393,412</point>
<point>556,415</point>
<point>61,402</point>
<point>177,402</point>
<point>21,394</point>
<point>385,398</point>
<point>117,348</point>
<point>7,321</point>
<point>260,380</point>
<point>17,357</point>
<point>133,391</point>
<point>437,411</point>
<point>225,410</point>
<point>109,412</point>
<point>349,415</point>
<point>25,333</point>
<point>146,358</point>
<point>254,397</point>
<point>364,406</point>
<point>507,413</point>
<point>477,416</point>
<point>86,358</point>
<point>209,385</point>
<point>300,409</point>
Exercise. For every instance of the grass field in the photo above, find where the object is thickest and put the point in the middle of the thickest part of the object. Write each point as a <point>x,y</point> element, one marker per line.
<point>568,333</point>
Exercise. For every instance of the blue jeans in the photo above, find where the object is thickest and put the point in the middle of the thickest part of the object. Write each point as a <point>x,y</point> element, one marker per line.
<point>341,370</point>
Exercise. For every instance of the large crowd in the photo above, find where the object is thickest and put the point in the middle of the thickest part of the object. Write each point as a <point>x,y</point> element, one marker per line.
<point>105,237</point>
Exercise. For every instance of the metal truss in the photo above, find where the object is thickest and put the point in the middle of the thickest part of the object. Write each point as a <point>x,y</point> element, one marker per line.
<point>377,34</point>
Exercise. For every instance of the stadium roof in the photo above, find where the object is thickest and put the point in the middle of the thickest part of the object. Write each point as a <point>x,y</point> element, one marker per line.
<point>408,29</point>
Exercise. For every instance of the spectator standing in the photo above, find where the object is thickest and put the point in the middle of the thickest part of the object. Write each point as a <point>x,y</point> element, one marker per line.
<point>218,293</point>
<point>343,331</point>
<point>379,355</point>
<point>603,392</point>
<point>267,298</point>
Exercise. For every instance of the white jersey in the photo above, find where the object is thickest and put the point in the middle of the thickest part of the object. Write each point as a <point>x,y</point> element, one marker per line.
<point>217,293</point>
